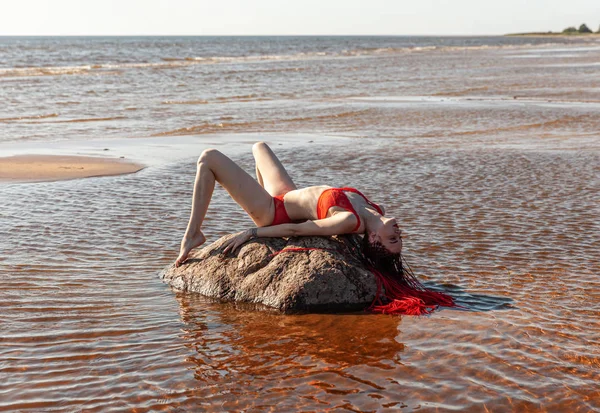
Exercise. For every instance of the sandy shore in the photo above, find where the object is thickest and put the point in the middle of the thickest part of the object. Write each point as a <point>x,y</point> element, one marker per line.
<point>40,168</point>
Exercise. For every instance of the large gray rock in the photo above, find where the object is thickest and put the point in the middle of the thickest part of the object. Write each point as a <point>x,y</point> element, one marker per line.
<point>326,279</point>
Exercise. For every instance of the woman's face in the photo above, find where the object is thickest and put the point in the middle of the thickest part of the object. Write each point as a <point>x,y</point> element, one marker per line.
<point>390,236</point>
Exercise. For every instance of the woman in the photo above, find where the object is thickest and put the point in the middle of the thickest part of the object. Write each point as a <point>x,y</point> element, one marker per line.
<point>279,209</point>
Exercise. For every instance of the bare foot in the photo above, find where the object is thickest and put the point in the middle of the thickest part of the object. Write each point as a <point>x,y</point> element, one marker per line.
<point>188,243</point>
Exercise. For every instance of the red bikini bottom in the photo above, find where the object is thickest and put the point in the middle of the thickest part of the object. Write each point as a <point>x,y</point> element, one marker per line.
<point>281,216</point>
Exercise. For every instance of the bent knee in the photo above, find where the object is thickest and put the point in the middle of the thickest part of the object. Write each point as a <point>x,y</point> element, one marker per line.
<point>208,155</point>
<point>259,147</point>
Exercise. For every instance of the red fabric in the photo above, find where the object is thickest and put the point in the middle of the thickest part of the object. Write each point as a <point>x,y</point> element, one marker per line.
<point>281,216</point>
<point>356,191</point>
<point>404,297</point>
<point>411,298</point>
<point>336,197</point>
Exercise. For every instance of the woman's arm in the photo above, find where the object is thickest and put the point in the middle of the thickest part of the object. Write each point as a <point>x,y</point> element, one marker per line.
<point>340,223</point>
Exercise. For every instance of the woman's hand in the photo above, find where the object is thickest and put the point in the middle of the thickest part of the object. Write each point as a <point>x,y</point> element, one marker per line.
<point>237,240</point>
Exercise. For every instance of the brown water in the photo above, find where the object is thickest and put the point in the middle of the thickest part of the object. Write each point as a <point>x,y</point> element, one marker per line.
<point>489,157</point>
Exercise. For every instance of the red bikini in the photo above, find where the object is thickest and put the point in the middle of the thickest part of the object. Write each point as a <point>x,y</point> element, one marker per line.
<point>329,198</point>
<point>281,216</point>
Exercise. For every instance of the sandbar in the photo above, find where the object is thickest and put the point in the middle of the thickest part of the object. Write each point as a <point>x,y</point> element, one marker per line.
<point>43,168</point>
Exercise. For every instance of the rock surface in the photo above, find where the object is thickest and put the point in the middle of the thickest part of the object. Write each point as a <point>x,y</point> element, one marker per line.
<point>325,279</point>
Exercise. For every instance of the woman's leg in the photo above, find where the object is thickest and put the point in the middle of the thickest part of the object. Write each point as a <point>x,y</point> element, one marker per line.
<point>249,194</point>
<point>270,173</point>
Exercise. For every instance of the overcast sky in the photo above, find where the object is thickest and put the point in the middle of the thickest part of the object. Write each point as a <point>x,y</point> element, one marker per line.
<point>289,17</point>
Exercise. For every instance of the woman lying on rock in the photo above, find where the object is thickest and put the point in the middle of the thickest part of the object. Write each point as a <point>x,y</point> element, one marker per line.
<point>280,209</point>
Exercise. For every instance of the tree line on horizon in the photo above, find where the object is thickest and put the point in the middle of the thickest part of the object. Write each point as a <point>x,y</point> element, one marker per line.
<point>582,29</point>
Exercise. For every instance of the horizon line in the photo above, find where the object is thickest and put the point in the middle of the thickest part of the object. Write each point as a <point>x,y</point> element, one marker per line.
<point>252,35</point>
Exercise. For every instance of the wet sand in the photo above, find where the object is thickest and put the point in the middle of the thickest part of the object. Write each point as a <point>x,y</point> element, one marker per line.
<point>42,168</point>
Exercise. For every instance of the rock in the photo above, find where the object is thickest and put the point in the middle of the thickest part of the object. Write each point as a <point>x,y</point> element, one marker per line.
<point>327,279</point>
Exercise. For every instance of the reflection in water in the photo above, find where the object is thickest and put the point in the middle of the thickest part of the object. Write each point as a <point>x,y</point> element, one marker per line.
<point>259,353</point>
<point>256,336</point>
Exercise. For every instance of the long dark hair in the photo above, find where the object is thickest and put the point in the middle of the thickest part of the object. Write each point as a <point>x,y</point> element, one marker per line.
<point>403,291</point>
<point>373,255</point>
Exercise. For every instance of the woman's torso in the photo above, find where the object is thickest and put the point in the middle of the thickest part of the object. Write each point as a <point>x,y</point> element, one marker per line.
<point>301,204</point>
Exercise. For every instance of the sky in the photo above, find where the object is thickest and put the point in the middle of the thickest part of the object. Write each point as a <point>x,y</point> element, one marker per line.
<point>292,17</point>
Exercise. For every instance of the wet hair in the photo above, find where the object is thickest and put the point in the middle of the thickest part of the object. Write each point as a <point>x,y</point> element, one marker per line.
<point>373,254</point>
<point>404,294</point>
<point>379,257</point>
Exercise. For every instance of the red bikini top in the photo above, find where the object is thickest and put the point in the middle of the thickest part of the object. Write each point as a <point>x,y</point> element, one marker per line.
<point>336,197</point>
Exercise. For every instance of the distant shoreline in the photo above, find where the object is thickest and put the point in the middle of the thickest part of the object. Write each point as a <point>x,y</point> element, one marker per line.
<point>553,34</point>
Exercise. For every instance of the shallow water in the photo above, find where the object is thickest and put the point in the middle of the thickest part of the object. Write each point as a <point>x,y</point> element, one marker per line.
<point>498,198</point>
